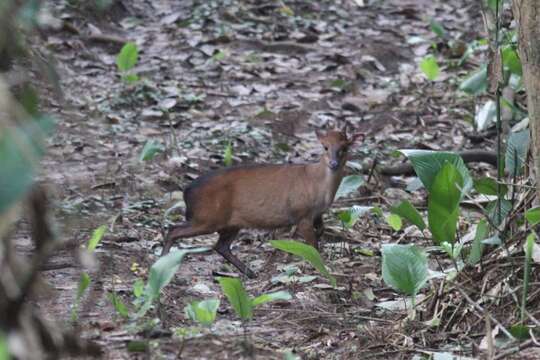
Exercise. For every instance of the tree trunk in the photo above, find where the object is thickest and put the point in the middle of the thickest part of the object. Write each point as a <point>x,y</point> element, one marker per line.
<point>527,14</point>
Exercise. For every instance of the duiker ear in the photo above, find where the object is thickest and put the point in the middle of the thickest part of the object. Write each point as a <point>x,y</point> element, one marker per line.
<point>357,137</point>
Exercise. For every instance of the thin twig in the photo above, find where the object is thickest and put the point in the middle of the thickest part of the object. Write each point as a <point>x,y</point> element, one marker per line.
<point>481,309</point>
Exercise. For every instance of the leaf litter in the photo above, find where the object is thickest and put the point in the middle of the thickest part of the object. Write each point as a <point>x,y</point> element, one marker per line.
<point>257,77</point>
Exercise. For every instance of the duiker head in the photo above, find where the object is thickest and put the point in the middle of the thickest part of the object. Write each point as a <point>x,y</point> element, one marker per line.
<point>336,145</point>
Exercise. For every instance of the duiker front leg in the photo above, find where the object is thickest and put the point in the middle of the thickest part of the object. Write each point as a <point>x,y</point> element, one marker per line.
<point>319,226</point>
<point>223,247</point>
<point>305,228</point>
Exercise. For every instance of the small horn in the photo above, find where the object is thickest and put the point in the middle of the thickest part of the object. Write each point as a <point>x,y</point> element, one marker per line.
<point>343,127</point>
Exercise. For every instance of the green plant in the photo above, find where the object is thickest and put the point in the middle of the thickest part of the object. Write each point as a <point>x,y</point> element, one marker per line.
<point>21,148</point>
<point>85,280</point>
<point>138,288</point>
<point>350,216</point>
<point>306,252</point>
<point>516,152</point>
<point>204,312</point>
<point>96,237</point>
<point>348,185</point>
<point>161,273</point>
<point>443,204</point>
<point>290,274</point>
<point>477,247</point>
<point>227,155</point>
<point>404,268</point>
<point>118,304</point>
<point>430,67</point>
<point>4,352</point>
<point>452,250</point>
<point>126,61</point>
<point>394,221</point>
<point>437,28</point>
<point>489,186</point>
<point>241,302</point>
<point>150,150</point>
<point>407,211</point>
<point>447,179</point>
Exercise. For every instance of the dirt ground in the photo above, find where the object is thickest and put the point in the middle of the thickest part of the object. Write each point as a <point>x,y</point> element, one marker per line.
<point>262,77</point>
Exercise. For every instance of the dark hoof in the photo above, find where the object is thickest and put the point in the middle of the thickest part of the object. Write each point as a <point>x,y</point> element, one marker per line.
<point>250,274</point>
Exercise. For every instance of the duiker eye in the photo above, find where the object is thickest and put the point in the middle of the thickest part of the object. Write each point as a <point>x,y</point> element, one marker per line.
<point>326,148</point>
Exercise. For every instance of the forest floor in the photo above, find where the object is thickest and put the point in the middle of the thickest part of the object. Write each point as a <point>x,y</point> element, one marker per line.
<point>261,77</point>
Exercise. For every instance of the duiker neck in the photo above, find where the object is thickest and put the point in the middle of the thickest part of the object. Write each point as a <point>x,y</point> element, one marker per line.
<point>326,177</point>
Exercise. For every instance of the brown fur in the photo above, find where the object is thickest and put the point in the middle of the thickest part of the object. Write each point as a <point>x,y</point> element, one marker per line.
<point>263,197</point>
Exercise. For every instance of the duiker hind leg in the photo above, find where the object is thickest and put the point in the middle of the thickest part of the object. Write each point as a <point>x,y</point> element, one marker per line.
<point>181,231</point>
<point>223,247</point>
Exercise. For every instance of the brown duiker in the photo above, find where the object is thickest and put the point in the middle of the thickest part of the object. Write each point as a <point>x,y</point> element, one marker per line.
<point>264,197</point>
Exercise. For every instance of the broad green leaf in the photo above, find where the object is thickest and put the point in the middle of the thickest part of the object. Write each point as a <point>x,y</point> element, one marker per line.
<point>437,28</point>
<point>476,83</point>
<point>427,164</point>
<point>138,288</point>
<point>482,231</point>
<point>204,312</point>
<point>511,60</point>
<point>348,185</point>
<point>429,67</point>
<point>237,296</point>
<point>97,235</point>
<point>394,220</point>
<point>306,252</point>
<point>350,216</point>
<point>264,298</point>
<point>118,304</point>
<point>128,56</point>
<point>488,186</point>
<point>227,156</point>
<point>404,268</point>
<point>443,204</point>
<point>533,216</point>
<point>493,210</point>
<point>407,210</point>
<point>150,149</point>
<point>163,270</point>
<point>20,152</point>
<point>516,152</point>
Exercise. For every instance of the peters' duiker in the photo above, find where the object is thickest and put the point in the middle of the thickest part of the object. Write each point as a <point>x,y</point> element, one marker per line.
<point>264,197</point>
